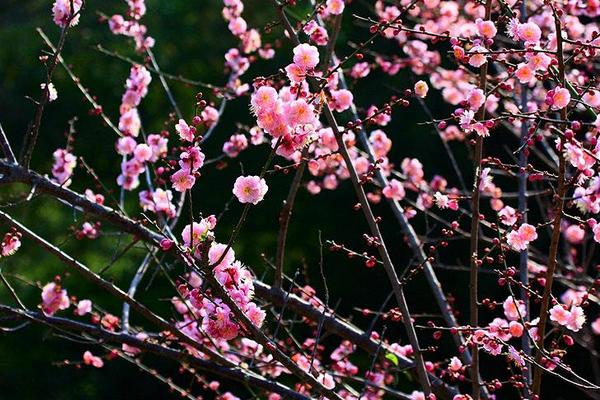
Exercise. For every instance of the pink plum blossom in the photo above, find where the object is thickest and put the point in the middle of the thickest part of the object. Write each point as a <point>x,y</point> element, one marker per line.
<point>210,115</point>
<point>529,32</point>
<point>559,98</point>
<point>487,29</point>
<point>54,298</point>
<point>62,13</point>
<point>64,165</point>
<point>394,190</point>
<point>130,122</point>
<point>574,234</point>
<point>183,180</point>
<point>250,189</point>
<point>306,57</point>
<point>335,7</point>
<point>94,361</point>
<point>10,243</point>
<point>142,152</point>
<point>478,56</point>
<point>185,131</point>
<point>421,88</point>
<point>126,145</point>
<point>84,307</point>
<point>508,215</point>
<point>514,310</point>
<point>341,99</point>
<point>520,239</point>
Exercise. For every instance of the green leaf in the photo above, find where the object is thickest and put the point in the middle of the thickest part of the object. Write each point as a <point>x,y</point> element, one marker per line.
<point>393,358</point>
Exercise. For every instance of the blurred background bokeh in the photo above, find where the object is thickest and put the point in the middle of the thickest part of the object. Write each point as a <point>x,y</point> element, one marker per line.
<point>191,38</point>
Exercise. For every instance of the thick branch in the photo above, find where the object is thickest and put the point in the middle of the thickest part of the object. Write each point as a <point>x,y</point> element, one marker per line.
<point>284,220</point>
<point>16,173</point>
<point>91,276</point>
<point>557,211</point>
<point>474,254</point>
<point>336,325</point>
<point>232,372</point>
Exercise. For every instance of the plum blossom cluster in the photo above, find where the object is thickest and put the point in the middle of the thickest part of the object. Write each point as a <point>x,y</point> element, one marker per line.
<point>130,25</point>
<point>136,156</point>
<point>136,88</point>
<point>10,243</point>
<point>496,338</point>
<point>519,239</point>
<point>203,313</point>
<point>190,160</point>
<point>573,318</point>
<point>64,164</point>
<point>63,15</point>
<point>289,115</point>
<point>55,299</point>
<point>238,60</point>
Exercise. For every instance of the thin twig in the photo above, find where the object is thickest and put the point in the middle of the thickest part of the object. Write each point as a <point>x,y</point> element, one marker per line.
<point>97,107</point>
<point>474,251</point>
<point>32,134</point>
<point>6,147</point>
<point>556,228</point>
<point>284,220</point>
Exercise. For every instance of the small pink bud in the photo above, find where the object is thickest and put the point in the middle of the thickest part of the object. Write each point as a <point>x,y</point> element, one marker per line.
<point>166,244</point>
<point>568,340</point>
<point>569,134</point>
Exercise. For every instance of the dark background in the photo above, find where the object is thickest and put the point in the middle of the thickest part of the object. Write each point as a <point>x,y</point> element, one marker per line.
<point>191,40</point>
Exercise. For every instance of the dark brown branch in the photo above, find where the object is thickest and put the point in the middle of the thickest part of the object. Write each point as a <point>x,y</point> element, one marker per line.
<point>474,255</point>
<point>558,212</point>
<point>91,276</point>
<point>337,326</point>
<point>19,174</point>
<point>284,220</point>
<point>16,173</point>
<point>234,373</point>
